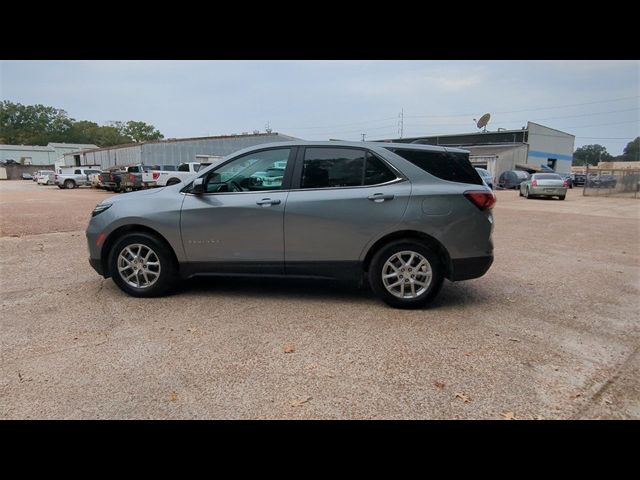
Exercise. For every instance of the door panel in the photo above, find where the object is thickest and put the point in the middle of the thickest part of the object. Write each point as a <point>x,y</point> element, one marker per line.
<point>328,225</point>
<point>233,227</point>
<point>237,224</point>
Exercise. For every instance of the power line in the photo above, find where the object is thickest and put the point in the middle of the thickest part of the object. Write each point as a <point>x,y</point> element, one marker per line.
<point>528,109</point>
<point>339,125</point>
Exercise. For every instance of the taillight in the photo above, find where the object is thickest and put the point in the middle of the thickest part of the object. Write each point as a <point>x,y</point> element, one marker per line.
<point>481,199</point>
<point>565,183</point>
<point>534,183</point>
<point>155,175</point>
<point>132,178</point>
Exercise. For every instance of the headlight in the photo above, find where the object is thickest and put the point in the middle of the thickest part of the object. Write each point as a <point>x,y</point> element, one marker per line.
<point>100,208</point>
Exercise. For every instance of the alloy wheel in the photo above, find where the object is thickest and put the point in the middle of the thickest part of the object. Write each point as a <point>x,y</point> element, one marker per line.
<point>407,274</point>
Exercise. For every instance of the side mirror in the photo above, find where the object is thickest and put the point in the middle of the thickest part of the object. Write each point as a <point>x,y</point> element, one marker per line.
<point>198,186</point>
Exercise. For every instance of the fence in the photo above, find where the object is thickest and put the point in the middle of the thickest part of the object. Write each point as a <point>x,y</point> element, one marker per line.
<point>619,182</point>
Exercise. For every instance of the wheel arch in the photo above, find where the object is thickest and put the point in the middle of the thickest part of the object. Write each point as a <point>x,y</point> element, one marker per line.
<point>125,229</point>
<point>421,237</point>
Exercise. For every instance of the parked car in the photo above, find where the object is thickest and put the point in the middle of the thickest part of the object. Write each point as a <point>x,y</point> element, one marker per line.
<point>579,179</point>
<point>544,185</point>
<point>596,180</point>
<point>133,178</point>
<point>94,179</point>
<point>512,179</point>
<point>45,177</point>
<point>184,171</point>
<point>401,216</point>
<point>486,176</point>
<point>78,177</point>
<point>26,176</point>
<point>110,179</point>
<point>35,175</point>
<point>568,178</point>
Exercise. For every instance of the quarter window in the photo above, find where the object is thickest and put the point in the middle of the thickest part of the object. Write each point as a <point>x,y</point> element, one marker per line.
<point>451,166</point>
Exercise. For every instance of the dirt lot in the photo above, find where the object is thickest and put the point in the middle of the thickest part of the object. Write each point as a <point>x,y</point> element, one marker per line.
<point>552,331</point>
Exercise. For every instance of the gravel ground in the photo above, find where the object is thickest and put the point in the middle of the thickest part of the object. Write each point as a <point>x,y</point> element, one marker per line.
<point>551,331</point>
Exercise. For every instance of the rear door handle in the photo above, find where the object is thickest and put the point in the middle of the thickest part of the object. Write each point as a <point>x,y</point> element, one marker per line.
<point>265,202</point>
<point>380,197</point>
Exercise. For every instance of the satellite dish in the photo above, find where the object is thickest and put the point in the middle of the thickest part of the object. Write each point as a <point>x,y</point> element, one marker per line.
<point>482,123</point>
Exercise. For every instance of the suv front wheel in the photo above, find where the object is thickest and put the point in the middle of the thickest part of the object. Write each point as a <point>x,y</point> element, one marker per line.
<point>406,274</point>
<point>142,266</point>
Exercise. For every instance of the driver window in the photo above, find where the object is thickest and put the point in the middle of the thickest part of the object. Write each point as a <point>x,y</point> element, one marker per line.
<point>253,172</point>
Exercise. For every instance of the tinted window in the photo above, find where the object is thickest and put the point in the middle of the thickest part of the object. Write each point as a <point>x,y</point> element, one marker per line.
<point>77,172</point>
<point>183,168</point>
<point>376,172</point>
<point>451,166</point>
<point>332,167</point>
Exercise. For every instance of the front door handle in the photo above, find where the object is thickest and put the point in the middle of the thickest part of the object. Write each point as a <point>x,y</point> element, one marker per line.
<point>380,197</point>
<point>265,202</point>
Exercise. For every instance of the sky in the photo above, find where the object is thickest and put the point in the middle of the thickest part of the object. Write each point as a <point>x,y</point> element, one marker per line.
<point>597,101</point>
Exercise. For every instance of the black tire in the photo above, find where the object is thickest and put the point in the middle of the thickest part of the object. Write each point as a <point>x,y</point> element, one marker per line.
<point>69,184</point>
<point>520,192</point>
<point>385,253</point>
<point>173,181</point>
<point>562,197</point>
<point>168,268</point>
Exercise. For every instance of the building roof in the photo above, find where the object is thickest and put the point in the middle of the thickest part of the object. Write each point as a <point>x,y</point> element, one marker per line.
<point>187,139</point>
<point>82,146</point>
<point>37,148</point>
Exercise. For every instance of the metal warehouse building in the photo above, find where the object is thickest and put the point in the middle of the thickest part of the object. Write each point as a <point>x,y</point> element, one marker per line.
<point>170,152</point>
<point>38,155</point>
<point>529,147</point>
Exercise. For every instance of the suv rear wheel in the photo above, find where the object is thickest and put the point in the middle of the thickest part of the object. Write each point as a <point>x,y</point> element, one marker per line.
<point>142,266</point>
<point>406,274</point>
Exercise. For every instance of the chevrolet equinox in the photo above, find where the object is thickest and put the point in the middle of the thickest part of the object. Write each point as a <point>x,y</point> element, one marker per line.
<point>402,216</point>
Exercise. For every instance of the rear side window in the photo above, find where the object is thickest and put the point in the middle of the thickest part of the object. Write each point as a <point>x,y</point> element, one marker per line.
<point>451,166</point>
<point>183,168</point>
<point>342,167</point>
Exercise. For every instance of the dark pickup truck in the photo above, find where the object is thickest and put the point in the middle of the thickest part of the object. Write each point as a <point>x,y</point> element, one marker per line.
<point>132,178</point>
<point>110,179</point>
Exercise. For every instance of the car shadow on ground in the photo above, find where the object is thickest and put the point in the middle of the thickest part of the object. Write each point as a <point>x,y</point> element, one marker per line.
<point>452,293</point>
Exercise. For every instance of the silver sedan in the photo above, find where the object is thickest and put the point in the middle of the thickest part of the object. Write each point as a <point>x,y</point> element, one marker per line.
<point>544,185</point>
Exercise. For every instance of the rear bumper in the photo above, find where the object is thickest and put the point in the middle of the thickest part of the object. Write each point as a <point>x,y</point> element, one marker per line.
<point>468,268</point>
<point>548,191</point>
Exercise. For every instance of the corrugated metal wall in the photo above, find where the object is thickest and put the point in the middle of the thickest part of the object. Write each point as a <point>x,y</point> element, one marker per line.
<point>172,152</point>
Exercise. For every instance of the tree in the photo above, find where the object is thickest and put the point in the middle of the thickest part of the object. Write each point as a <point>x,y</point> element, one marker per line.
<point>631,152</point>
<point>39,125</point>
<point>591,155</point>
<point>32,124</point>
<point>141,132</point>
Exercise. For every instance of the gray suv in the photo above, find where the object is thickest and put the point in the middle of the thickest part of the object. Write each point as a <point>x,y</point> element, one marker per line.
<point>402,216</point>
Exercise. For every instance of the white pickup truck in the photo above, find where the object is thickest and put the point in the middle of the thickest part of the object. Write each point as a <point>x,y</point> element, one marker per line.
<point>75,177</point>
<point>184,171</point>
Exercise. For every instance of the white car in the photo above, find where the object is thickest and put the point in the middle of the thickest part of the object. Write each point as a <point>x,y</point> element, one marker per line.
<point>45,177</point>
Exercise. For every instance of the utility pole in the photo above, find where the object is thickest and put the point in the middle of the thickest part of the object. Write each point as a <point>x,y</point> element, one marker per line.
<point>363,135</point>
<point>401,122</point>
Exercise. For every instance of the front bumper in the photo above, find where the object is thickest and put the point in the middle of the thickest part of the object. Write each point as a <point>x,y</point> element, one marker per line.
<point>97,265</point>
<point>468,268</point>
